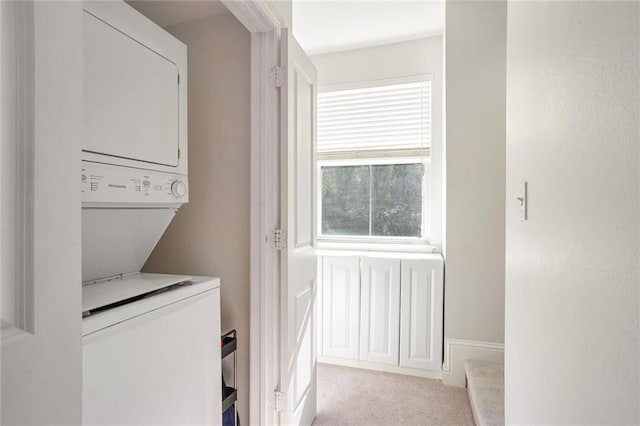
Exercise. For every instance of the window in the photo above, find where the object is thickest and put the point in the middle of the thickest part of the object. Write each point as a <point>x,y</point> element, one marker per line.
<point>382,200</point>
<point>373,157</point>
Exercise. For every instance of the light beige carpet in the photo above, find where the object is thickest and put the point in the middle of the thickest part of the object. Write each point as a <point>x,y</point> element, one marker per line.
<point>485,381</point>
<point>352,396</point>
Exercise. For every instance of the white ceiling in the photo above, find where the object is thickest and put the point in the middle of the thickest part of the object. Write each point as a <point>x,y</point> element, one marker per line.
<point>166,13</point>
<point>323,26</point>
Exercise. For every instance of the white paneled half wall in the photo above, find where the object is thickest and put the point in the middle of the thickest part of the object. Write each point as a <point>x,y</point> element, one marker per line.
<point>381,311</point>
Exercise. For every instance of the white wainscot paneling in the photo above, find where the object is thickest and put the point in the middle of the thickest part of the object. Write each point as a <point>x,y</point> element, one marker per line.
<point>379,314</point>
<point>421,314</point>
<point>340,306</point>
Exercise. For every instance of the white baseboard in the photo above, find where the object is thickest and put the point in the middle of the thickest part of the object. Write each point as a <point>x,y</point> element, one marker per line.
<point>457,350</point>
<point>428,374</point>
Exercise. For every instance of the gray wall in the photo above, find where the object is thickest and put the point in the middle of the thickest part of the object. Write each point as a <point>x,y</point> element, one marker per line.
<point>210,235</point>
<point>573,132</point>
<point>475,64</point>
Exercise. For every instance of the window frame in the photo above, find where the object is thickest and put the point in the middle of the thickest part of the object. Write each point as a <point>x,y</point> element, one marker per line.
<point>410,158</point>
<point>377,157</point>
<point>416,78</point>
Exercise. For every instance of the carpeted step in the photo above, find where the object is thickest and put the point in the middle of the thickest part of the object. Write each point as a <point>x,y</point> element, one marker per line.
<point>485,384</point>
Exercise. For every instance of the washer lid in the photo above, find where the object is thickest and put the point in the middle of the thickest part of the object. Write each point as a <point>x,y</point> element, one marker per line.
<point>105,293</point>
<point>130,286</point>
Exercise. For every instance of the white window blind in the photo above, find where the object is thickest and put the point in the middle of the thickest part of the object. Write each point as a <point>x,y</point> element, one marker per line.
<point>385,117</point>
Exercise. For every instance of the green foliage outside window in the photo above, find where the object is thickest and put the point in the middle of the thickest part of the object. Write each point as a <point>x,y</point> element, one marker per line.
<point>372,200</point>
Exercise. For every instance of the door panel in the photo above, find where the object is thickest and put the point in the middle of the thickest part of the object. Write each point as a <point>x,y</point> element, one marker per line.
<point>380,310</point>
<point>304,360</point>
<point>341,306</point>
<point>303,110</point>
<point>299,262</point>
<point>421,308</point>
<point>41,67</point>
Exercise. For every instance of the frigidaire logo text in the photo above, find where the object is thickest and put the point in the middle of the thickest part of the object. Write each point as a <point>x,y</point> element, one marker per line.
<point>113,185</point>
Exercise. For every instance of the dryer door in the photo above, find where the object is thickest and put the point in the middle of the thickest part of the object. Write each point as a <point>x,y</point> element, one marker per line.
<point>131,97</point>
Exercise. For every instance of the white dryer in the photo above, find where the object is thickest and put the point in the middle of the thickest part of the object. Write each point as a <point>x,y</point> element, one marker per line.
<point>135,85</point>
<point>134,154</point>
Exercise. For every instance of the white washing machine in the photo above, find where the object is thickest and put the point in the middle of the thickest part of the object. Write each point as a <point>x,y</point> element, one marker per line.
<point>150,345</point>
<point>151,342</point>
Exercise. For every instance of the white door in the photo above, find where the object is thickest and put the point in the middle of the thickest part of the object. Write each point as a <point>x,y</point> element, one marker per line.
<point>340,306</point>
<point>41,124</point>
<point>380,310</point>
<point>421,313</point>
<point>299,264</point>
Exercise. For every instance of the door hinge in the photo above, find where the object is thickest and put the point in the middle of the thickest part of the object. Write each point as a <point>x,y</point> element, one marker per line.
<point>278,76</point>
<point>178,79</point>
<point>279,401</point>
<point>178,153</point>
<point>279,239</point>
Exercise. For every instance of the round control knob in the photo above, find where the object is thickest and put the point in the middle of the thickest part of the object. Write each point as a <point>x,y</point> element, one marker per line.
<point>178,188</point>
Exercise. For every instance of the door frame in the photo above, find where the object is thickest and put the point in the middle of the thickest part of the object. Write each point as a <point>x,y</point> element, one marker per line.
<point>264,323</point>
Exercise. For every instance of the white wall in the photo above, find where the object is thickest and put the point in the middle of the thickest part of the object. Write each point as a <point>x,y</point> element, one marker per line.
<point>475,52</point>
<point>572,277</point>
<point>42,371</point>
<point>210,235</point>
<point>422,56</point>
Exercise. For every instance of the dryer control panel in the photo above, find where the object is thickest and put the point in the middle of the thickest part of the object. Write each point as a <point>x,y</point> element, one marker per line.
<point>103,183</point>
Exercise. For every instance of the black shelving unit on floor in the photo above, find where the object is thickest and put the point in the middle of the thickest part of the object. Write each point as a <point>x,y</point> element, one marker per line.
<point>230,393</point>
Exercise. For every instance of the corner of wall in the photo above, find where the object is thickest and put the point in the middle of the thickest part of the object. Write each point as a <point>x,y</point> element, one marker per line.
<point>474,199</point>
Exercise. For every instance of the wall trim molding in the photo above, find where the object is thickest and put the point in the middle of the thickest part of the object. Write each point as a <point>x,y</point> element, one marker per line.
<point>450,344</point>
<point>457,350</point>
<point>255,15</point>
<point>264,281</point>
<point>264,353</point>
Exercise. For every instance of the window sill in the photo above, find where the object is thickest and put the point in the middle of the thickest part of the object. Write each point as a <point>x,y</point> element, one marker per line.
<point>364,248</point>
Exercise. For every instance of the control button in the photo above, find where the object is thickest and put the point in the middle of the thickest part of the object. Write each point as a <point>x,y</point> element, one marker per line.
<point>84,178</point>
<point>178,189</point>
<point>146,183</point>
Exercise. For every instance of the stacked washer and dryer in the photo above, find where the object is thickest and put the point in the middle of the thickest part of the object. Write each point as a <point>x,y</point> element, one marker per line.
<point>151,342</point>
